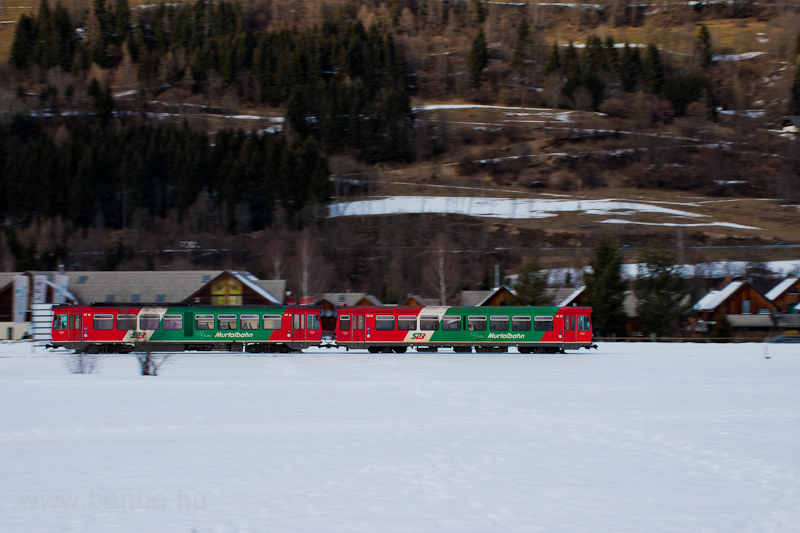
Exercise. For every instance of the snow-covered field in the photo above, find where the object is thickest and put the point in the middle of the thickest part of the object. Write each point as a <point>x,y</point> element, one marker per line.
<point>629,438</point>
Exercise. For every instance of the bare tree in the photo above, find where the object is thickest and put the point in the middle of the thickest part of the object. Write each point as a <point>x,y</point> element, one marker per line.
<point>149,362</point>
<point>82,363</point>
<point>441,272</point>
<point>274,258</point>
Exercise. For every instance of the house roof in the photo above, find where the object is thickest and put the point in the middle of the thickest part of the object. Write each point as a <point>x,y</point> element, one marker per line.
<point>348,298</point>
<point>472,298</point>
<point>427,302</point>
<point>275,287</point>
<point>571,297</point>
<point>7,277</point>
<point>779,289</point>
<point>493,292</point>
<point>713,299</point>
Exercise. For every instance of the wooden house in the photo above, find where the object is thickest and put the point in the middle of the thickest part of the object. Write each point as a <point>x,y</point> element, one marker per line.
<point>786,295</point>
<point>745,307</point>
<point>500,296</point>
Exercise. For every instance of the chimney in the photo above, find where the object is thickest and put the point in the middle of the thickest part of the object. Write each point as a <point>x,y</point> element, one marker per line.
<point>497,276</point>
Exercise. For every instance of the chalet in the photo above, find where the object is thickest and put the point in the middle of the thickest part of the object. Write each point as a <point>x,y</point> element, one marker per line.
<point>744,306</point>
<point>414,300</point>
<point>197,287</point>
<point>786,294</point>
<point>790,127</point>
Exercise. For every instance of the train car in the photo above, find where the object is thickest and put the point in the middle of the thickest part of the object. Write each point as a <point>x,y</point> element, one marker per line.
<point>125,328</point>
<point>484,329</point>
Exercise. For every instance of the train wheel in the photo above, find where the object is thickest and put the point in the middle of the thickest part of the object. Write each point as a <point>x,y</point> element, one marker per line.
<point>399,349</point>
<point>374,349</point>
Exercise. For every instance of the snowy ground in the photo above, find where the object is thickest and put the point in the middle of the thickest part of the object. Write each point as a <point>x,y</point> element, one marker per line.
<point>628,438</point>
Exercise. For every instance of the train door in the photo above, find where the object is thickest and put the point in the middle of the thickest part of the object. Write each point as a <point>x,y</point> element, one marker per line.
<point>298,330</point>
<point>570,325</point>
<point>359,340</point>
<point>74,333</point>
<point>313,327</point>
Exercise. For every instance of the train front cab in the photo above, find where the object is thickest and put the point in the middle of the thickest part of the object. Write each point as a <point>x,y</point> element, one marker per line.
<point>576,327</point>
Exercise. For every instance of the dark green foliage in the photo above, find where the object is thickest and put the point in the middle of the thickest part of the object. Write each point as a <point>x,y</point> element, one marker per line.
<point>661,290</point>
<point>653,69</point>
<point>605,287</point>
<point>520,44</point>
<point>47,39</point>
<point>630,68</point>
<point>102,171</point>
<point>794,103</point>
<point>554,63</point>
<point>682,90</point>
<point>478,58</point>
<point>531,284</point>
<point>704,46</point>
<point>102,100</point>
<point>723,330</point>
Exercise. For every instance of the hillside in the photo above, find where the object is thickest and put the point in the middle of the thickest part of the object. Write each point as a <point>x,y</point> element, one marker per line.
<point>649,122</point>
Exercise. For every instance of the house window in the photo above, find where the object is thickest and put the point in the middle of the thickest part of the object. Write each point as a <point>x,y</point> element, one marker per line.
<point>341,298</point>
<point>763,311</point>
<point>82,280</point>
<point>226,291</point>
<point>206,279</point>
<point>109,297</point>
<point>135,298</point>
<point>161,297</point>
<point>746,307</point>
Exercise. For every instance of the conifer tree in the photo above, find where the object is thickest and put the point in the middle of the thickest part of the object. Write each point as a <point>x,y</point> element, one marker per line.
<point>661,290</point>
<point>520,44</point>
<point>605,287</point>
<point>531,284</point>
<point>653,69</point>
<point>554,63</point>
<point>704,46</point>
<point>630,68</point>
<point>478,58</point>
<point>24,42</point>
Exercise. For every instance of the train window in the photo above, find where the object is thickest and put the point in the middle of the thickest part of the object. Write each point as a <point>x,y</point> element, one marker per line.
<point>60,322</point>
<point>272,321</point>
<point>344,322</point>
<point>520,323</point>
<point>583,323</point>
<point>150,322</point>
<point>406,323</point>
<point>476,323</point>
<point>569,323</point>
<point>542,323</point>
<point>203,321</point>
<point>227,321</point>
<point>76,322</point>
<point>360,323</point>
<point>313,322</point>
<point>173,322</point>
<point>384,323</point>
<point>249,321</point>
<point>298,321</point>
<point>126,322</point>
<point>498,323</point>
<point>103,321</point>
<point>429,323</point>
<point>451,323</point>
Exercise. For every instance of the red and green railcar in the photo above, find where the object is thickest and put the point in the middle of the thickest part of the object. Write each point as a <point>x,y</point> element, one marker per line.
<point>127,328</point>
<point>121,328</point>
<point>489,329</point>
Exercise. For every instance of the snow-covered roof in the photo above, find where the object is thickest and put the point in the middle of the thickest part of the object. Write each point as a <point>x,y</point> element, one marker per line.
<point>713,299</point>
<point>495,291</point>
<point>569,299</point>
<point>780,288</point>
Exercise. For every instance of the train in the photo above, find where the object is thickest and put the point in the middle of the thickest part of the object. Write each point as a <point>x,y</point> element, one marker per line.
<point>125,328</point>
